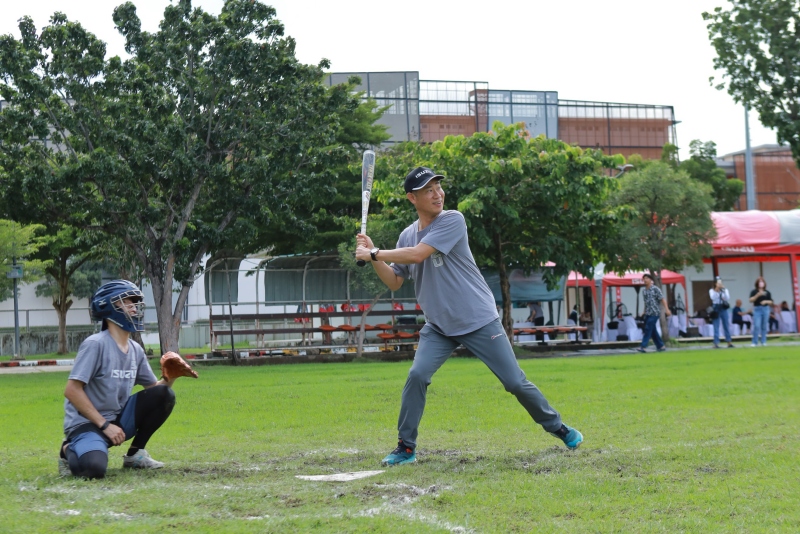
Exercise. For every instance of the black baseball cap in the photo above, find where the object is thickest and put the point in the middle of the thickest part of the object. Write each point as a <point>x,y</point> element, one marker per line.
<point>419,178</point>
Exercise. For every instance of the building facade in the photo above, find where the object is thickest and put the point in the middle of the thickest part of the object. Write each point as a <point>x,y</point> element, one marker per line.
<point>429,110</point>
<point>777,178</point>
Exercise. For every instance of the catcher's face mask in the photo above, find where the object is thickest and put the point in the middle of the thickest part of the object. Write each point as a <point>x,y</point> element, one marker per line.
<point>132,309</point>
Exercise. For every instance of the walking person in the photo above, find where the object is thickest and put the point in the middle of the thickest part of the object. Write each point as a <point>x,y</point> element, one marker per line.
<point>99,410</point>
<point>459,309</point>
<point>652,313</point>
<point>762,303</point>
<point>721,301</point>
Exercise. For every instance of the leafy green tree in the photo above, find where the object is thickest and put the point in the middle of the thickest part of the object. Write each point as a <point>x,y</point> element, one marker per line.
<point>668,226</point>
<point>333,214</point>
<point>702,167</point>
<point>209,136</point>
<point>18,245</point>
<point>526,201</point>
<point>757,45</point>
<point>69,273</point>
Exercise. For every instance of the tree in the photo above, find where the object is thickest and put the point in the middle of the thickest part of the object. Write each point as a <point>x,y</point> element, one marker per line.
<point>210,135</point>
<point>526,201</point>
<point>668,226</point>
<point>69,273</point>
<point>757,45</point>
<point>333,214</point>
<point>18,244</point>
<point>702,166</point>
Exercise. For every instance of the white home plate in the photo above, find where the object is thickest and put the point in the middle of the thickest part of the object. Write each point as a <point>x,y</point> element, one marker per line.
<point>340,477</point>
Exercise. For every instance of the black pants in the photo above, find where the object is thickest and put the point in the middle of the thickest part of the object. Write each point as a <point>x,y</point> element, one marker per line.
<point>153,407</point>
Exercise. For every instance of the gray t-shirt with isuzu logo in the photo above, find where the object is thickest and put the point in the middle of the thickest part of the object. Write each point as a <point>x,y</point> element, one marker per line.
<point>450,288</point>
<point>109,375</point>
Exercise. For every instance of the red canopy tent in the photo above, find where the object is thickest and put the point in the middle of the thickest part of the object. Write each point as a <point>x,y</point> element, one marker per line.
<point>576,279</point>
<point>758,236</point>
<point>634,279</point>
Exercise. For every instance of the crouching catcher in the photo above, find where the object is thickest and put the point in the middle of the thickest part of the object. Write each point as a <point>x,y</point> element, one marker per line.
<point>99,410</point>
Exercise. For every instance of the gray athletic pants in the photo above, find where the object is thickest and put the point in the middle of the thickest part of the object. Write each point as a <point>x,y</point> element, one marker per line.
<point>491,345</point>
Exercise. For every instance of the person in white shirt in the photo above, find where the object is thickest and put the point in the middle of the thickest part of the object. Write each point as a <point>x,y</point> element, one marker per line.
<point>721,301</point>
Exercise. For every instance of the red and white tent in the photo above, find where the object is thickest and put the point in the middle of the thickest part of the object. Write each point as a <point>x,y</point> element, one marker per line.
<point>754,233</point>
<point>634,279</point>
<point>576,279</point>
<point>758,236</point>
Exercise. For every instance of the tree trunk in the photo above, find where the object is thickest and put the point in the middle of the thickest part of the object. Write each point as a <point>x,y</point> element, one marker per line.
<point>61,300</point>
<point>168,331</point>
<point>505,289</point>
<point>62,304</point>
<point>61,311</point>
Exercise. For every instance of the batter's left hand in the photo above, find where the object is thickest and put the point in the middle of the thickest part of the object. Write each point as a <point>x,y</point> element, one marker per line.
<point>364,240</point>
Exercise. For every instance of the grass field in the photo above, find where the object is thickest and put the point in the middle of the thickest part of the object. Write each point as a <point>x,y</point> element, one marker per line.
<point>685,441</point>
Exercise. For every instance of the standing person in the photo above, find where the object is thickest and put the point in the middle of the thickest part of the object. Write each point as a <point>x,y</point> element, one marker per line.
<point>721,300</point>
<point>459,309</point>
<point>652,299</point>
<point>537,314</point>
<point>762,302</point>
<point>99,410</point>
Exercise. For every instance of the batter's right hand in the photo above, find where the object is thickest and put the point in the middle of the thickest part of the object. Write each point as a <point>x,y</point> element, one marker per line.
<point>115,434</point>
<point>363,240</point>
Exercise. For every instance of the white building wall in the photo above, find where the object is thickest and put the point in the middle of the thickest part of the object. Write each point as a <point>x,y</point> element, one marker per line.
<point>39,311</point>
<point>740,279</point>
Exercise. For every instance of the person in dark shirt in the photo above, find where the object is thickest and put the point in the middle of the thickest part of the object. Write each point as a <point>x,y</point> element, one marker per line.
<point>737,316</point>
<point>573,316</point>
<point>762,303</point>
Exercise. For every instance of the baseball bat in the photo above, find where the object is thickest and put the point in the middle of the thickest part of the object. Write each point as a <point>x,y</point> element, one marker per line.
<point>367,174</point>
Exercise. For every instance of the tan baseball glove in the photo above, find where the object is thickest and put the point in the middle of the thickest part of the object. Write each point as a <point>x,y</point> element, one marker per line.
<point>173,366</point>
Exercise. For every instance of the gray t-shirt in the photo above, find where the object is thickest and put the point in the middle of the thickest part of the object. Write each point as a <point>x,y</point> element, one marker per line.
<point>109,375</point>
<point>450,288</point>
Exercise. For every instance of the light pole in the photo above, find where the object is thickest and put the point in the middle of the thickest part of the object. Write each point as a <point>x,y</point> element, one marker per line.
<point>623,169</point>
<point>749,175</point>
<point>16,273</point>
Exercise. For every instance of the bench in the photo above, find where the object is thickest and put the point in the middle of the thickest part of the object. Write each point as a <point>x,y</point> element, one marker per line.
<point>304,324</point>
<point>553,332</point>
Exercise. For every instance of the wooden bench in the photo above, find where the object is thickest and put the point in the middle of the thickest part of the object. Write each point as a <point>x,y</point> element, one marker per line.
<point>304,325</point>
<point>554,332</point>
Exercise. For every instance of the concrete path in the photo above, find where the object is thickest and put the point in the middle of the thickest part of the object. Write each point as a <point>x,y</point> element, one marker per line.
<point>34,369</point>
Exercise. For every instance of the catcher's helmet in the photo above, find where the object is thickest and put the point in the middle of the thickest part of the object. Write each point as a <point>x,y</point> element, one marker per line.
<point>107,305</point>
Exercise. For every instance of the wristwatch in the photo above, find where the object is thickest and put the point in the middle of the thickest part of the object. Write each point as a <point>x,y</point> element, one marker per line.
<point>374,253</point>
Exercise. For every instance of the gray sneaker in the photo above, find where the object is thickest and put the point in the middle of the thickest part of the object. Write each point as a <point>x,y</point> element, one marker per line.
<point>141,460</point>
<point>63,468</point>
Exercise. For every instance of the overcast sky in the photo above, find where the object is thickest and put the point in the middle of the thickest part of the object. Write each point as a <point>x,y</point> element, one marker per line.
<point>632,51</point>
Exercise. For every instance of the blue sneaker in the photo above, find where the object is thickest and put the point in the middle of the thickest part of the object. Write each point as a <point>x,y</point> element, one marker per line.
<point>571,437</point>
<point>401,455</point>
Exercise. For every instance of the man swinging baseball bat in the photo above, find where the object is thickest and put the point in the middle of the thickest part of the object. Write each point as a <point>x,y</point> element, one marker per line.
<point>459,309</point>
